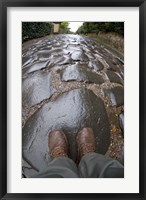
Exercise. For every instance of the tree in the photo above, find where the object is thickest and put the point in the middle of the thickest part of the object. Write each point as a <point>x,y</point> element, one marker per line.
<point>64,27</point>
<point>95,27</point>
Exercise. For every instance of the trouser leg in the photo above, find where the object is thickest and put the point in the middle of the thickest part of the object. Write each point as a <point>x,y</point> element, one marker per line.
<point>95,165</point>
<point>61,167</point>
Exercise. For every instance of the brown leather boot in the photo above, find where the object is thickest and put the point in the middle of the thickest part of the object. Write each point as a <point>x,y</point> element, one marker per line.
<point>58,144</point>
<point>85,142</point>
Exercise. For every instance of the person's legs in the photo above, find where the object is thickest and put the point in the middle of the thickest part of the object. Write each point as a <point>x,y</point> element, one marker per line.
<point>61,166</point>
<point>93,165</point>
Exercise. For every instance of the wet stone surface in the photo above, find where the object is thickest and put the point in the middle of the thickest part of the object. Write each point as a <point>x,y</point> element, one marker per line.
<point>116,96</point>
<point>69,82</point>
<point>70,112</point>
<point>121,121</point>
<point>36,88</point>
<point>96,65</point>
<point>35,67</point>
<point>80,73</point>
<point>79,56</point>
<point>113,77</point>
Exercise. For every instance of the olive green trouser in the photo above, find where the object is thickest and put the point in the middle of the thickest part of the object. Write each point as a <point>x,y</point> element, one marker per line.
<point>92,165</point>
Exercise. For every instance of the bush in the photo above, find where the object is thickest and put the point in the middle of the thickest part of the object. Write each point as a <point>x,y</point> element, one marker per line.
<point>96,27</point>
<point>32,30</point>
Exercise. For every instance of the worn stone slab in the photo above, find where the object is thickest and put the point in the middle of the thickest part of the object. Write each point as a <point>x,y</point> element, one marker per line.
<point>36,87</point>
<point>96,65</point>
<point>60,60</point>
<point>116,96</point>
<point>35,67</point>
<point>121,121</point>
<point>113,77</point>
<point>117,61</point>
<point>26,60</point>
<point>80,73</point>
<point>79,56</point>
<point>70,112</point>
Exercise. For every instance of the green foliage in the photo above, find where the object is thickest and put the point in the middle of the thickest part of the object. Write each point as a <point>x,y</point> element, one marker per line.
<point>95,27</point>
<point>64,27</point>
<point>35,29</point>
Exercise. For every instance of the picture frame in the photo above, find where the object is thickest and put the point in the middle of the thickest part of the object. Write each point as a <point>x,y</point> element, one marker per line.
<point>4,4</point>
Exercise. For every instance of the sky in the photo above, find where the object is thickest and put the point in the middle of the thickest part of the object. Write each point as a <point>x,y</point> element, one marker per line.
<point>74,26</point>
